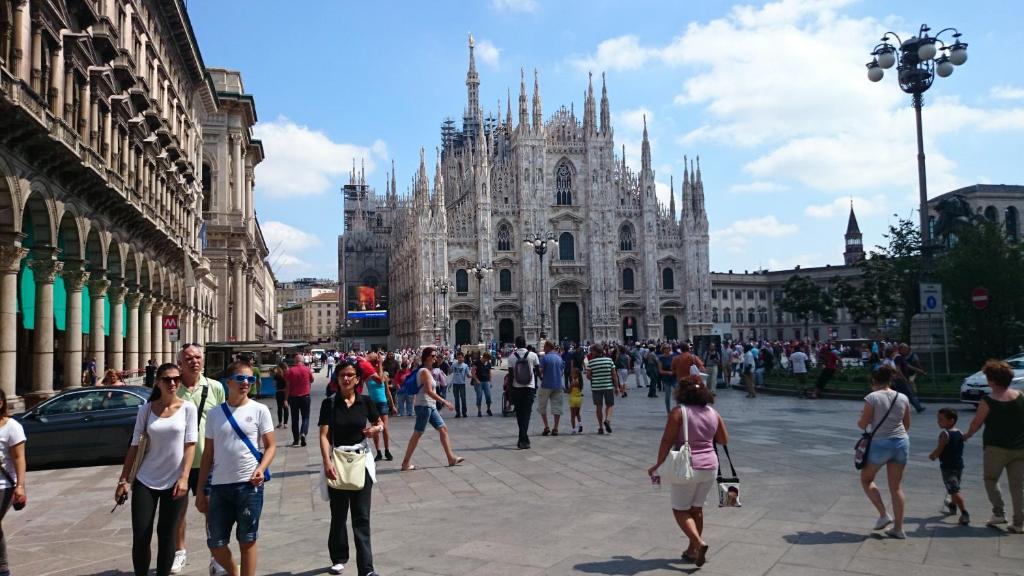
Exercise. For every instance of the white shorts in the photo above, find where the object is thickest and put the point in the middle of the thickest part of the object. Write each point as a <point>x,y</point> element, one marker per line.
<point>623,374</point>
<point>694,493</point>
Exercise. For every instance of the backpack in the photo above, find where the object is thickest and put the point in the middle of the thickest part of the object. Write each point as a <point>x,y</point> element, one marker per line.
<point>411,386</point>
<point>522,373</point>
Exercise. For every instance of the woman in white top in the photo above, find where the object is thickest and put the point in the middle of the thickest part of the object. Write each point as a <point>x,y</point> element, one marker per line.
<point>12,472</point>
<point>425,406</point>
<point>172,427</point>
<point>887,412</point>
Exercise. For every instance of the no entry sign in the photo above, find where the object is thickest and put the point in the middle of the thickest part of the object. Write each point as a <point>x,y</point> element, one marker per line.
<point>979,297</point>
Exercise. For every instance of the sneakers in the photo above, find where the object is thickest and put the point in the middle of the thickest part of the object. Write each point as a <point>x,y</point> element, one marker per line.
<point>546,432</point>
<point>302,439</point>
<point>336,569</point>
<point>1015,529</point>
<point>883,521</point>
<point>965,519</point>
<point>216,570</point>
<point>180,558</point>
<point>554,431</point>
<point>996,520</point>
<point>600,430</point>
<point>897,534</point>
<point>479,414</point>
<point>608,426</point>
<point>387,455</point>
<point>573,433</point>
<point>379,457</point>
<point>948,508</point>
<point>580,431</point>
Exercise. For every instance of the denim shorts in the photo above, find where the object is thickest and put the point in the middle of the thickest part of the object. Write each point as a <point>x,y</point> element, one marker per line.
<point>383,408</point>
<point>426,414</point>
<point>232,504</point>
<point>885,450</point>
<point>951,479</point>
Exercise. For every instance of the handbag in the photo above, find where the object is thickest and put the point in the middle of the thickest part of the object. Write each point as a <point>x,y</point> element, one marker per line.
<point>349,468</point>
<point>248,443</point>
<point>143,447</point>
<point>728,487</point>
<point>682,465</point>
<point>863,446</point>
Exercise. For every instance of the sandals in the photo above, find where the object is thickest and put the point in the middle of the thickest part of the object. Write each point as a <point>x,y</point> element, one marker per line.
<point>408,468</point>
<point>702,555</point>
<point>458,460</point>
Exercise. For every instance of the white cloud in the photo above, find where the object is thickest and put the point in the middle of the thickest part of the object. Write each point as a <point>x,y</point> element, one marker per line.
<point>872,206</point>
<point>737,235</point>
<point>802,260</point>
<point>633,119</point>
<point>758,188</point>
<point>489,53</point>
<point>515,5</point>
<point>287,244</point>
<point>1007,92</point>
<point>301,161</point>
<point>621,53</point>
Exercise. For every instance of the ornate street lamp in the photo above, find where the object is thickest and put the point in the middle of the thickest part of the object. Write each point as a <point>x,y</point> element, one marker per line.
<point>916,67</point>
<point>441,286</point>
<point>539,242</point>
<point>480,270</point>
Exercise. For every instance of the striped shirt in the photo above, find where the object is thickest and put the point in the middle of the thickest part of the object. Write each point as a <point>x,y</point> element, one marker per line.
<point>601,373</point>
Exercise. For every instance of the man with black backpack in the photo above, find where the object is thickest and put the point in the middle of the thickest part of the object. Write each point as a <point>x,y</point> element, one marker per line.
<point>523,367</point>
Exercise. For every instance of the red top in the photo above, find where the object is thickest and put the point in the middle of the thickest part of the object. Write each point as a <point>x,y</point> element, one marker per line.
<point>299,379</point>
<point>831,360</point>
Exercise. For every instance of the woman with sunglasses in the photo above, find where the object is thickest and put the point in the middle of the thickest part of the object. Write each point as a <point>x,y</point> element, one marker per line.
<point>425,406</point>
<point>346,421</point>
<point>171,426</point>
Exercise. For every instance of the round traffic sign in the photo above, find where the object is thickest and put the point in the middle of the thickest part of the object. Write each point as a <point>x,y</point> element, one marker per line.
<point>979,297</point>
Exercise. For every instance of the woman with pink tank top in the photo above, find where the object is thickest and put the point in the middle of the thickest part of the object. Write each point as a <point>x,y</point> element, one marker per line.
<point>705,427</point>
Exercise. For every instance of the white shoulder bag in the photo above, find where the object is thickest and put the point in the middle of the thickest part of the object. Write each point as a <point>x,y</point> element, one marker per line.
<point>682,466</point>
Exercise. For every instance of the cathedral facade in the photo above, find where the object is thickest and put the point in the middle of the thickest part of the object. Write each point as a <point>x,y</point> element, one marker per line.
<point>619,265</point>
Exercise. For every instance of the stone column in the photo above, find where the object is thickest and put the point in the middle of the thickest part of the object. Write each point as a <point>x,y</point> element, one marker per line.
<point>115,355</point>
<point>145,325</point>
<point>131,361</point>
<point>250,314</point>
<point>74,280</point>
<point>69,97</point>
<point>84,110</point>
<point>21,49</point>
<point>10,263</point>
<point>97,344</point>
<point>168,347</point>
<point>237,191</point>
<point>156,333</point>
<point>239,303</point>
<point>57,81</point>
<point>46,269</point>
<point>37,59</point>
<point>107,127</point>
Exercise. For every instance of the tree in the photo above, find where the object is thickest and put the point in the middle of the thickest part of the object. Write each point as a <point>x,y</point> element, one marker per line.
<point>982,257</point>
<point>860,300</point>
<point>889,279</point>
<point>803,298</point>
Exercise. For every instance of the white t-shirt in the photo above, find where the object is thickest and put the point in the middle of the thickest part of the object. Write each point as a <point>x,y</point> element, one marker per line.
<point>799,362</point>
<point>11,434</point>
<point>232,461</point>
<point>161,468</point>
<point>534,363</point>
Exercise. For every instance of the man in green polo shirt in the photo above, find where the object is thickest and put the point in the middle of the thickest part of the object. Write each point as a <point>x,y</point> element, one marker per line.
<point>205,394</point>
<point>604,386</point>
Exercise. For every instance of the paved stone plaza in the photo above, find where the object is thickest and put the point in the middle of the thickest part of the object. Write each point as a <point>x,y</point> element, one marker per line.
<point>571,505</point>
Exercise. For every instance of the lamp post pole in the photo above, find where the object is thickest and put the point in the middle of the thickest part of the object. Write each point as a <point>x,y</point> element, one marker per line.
<point>916,66</point>
<point>480,270</point>
<point>441,285</point>
<point>539,242</point>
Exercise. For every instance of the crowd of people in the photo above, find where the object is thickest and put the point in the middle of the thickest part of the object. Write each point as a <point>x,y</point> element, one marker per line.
<point>196,435</point>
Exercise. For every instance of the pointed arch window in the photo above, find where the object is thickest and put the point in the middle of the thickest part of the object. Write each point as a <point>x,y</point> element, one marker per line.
<point>566,247</point>
<point>504,237</point>
<point>563,185</point>
<point>627,280</point>
<point>626,237</point>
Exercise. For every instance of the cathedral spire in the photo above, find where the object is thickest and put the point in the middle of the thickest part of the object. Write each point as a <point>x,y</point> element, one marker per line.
<point>472,83</point>
<point>422,189</point>
<point>685,193</point>
<point>698,191</point>
<point>645,150</point>
<point>394,183</point>
<point>672,198</point>
<point>508,109</point>
<point>523,119</point>
<point>606,116</point>
<point>589,108</point>
<point>439,201</point>
<point>538,115</point>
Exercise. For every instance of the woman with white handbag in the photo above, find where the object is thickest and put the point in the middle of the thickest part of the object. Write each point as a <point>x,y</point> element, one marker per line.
<point>347,421</point>
<point>688,443</point>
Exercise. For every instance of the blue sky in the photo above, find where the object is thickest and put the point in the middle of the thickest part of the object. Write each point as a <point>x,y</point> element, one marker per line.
<point>773,97</point>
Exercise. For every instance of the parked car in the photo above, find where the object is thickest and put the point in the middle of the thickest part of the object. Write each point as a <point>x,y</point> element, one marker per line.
<point>82,426</point>
<point>976,385</point>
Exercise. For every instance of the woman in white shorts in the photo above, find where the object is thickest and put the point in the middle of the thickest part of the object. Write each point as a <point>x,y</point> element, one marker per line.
<point>704,428</point>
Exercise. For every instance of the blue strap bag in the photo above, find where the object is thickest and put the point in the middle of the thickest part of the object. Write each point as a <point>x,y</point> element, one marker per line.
<point>248,443</point>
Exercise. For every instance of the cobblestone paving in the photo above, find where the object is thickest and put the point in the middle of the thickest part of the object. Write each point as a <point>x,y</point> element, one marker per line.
<point>570,505</point>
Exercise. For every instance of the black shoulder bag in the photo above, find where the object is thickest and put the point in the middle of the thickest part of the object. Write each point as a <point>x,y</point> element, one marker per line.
<point>863,445</point>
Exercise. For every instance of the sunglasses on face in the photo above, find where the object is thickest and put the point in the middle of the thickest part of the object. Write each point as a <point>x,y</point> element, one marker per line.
<point>353,375</point>
<point>240,378</point>
<point>170,379</point>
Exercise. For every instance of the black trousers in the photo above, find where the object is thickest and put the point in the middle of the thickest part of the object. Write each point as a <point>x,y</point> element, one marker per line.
<point>337,540</point>
<point>823,378</point>
<point>522,400</point>
<point>282,413</point>
<point>903,387</point>
<point>299,406</point>
<point>145,502</point>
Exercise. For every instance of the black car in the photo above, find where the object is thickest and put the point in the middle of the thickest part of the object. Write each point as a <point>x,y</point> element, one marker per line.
<point>90,425</point>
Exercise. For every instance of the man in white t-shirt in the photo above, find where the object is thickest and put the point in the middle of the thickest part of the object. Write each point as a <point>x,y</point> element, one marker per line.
<point>798,364</point>
<point>236,474</point>
<point>523,388</point>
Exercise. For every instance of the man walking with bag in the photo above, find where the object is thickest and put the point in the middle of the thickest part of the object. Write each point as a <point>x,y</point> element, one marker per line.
<point>523,366</point>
